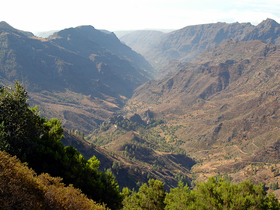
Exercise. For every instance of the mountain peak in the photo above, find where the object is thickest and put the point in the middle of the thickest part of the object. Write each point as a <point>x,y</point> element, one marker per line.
<point>5,25</point>
<point>268,22</point>
<point>89,27</point>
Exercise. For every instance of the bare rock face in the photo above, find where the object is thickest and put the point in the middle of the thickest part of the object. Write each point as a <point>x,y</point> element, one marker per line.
<point>136,118</point>
<point>147,116</point>
<point>113,120</point>
<point>268,31</point>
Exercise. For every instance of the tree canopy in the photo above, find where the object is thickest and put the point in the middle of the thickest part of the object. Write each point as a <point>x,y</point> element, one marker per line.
<point>212,194</point>
<point>149,197</point>
<point>36,140</point>
<point>21,125</point>
<point>221,195</point>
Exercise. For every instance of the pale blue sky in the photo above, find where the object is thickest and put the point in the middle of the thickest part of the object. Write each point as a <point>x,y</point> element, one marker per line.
<point>37,15</point>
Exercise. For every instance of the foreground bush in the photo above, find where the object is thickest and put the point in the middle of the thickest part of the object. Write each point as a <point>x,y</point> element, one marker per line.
<point>21,188</point>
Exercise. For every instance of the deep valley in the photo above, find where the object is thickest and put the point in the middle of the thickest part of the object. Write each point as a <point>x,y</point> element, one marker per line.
<point>182,106</point>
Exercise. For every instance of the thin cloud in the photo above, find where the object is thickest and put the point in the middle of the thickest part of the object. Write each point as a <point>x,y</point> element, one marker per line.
<point>113,15</point>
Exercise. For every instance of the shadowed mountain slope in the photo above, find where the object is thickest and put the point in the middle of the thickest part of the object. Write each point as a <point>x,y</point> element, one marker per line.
<point>89,42</point>
<point>72,75</point>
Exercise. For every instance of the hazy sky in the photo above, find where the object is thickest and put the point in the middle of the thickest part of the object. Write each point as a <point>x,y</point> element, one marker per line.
<point>38,15</point>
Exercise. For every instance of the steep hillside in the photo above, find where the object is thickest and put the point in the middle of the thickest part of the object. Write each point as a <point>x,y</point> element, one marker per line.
<point>267,31</point>
<point>185,44</point>
<point>91,43</point>
<point>45,34</point>
<point>72,75</point>
<point>132,172</point>
<point>231,66</point>
<point>225,105</point>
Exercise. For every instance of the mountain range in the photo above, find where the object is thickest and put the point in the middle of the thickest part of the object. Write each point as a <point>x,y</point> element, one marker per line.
<point>214,108</point>
<point>187,43</point>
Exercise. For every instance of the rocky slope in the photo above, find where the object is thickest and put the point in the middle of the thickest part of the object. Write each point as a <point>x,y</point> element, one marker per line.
<point>225,104</point>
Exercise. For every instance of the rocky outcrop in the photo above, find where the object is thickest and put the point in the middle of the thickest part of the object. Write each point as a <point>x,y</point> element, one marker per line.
<point>113,120</point>
<point>147,116</point>
<point>136,118</point>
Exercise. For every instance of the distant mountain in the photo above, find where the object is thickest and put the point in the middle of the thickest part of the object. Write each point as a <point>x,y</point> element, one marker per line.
<point>187,43</point>
<point>79,74</point>
<point>215,71</point>
<point>45,34</point>
<point>119,34</point>
<point>268,31</point>
<point>5,25</point>
<point>122,34</point>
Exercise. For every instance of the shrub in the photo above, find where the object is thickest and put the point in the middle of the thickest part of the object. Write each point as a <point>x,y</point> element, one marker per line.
<point>21,188</point>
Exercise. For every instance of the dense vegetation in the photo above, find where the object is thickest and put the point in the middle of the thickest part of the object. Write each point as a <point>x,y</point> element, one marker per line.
<point>212,194</point>
<point>150,132</point>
